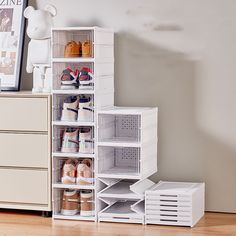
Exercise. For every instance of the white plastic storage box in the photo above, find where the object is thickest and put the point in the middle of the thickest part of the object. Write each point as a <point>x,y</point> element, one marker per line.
<point>127,142</point>
<point>58,133</point>
<point>122,200</point>
<point>57,205</point>
<point>103,73</point>
<point>58,101</point>
<point>175,203</point>
<point>99,62</point>
<point>57,170</point>
<point>101,39</point>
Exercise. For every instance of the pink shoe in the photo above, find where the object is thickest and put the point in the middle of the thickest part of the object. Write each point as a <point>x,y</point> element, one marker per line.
<point>69,172</point>
<point>85,173</point>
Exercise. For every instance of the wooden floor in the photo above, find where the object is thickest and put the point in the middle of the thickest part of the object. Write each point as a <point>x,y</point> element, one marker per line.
<point>18,224</point>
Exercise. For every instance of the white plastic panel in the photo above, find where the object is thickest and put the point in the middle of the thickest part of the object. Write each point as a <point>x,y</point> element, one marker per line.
<point>57,205</point>
<point>103,37</point>
<point>103,51</point>
<point>57,170</point>
<point>58,133</point>
<point>120,190</point>
<point>58,101</point>
<point>138,207</point>
<point>141,186</point>
<point>119,128</point>
<point>58,68</point>
<point>172,203</point>
<point>115,162</point>
<point>125,189</point>
<point>121,212</point>
<point>62,37</point>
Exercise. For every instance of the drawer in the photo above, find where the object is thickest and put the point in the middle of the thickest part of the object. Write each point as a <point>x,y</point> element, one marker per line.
<point>24,186</point>
<point>24,150</point>
<point>23,114</point>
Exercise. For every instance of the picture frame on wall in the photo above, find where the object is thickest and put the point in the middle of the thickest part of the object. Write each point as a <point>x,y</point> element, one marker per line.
<point>12,28</point>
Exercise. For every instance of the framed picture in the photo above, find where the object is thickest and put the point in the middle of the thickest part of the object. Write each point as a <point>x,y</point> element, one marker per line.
<point>12,27</point>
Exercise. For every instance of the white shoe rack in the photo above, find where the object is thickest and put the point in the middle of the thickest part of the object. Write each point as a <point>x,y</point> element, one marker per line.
<point>127,155</point>
<point>102,93</point>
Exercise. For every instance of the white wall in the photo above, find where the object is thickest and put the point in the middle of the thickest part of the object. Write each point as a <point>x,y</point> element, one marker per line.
<point>190,74</point>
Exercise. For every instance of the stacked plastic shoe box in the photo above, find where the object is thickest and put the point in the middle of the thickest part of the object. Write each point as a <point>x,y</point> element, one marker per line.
<point>175,203</point>
<point>83,83</point>
<point>127,156</point>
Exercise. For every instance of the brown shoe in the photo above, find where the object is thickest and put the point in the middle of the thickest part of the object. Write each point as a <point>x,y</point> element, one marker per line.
<point>86,199</point>
<point>86,49</point>
<point>70,203</point>
<point>72,49</point>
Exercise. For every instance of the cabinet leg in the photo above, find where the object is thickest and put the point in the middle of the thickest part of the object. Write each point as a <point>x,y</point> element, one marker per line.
<point>46,214</point>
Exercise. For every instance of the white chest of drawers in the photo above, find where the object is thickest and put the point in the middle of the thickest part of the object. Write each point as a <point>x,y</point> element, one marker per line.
<point>25,147</point>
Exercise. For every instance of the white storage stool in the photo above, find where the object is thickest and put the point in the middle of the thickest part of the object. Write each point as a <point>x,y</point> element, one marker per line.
<point>175,203</point>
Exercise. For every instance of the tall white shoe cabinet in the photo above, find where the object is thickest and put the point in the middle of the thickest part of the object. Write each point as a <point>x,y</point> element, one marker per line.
<point>101,63</point>
<point>125,139</point>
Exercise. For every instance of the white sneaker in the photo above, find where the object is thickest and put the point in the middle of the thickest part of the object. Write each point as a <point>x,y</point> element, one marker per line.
<point>70,109</point>
<point>69,79</point>
<point>86,144</point>
<point>70,140</point>
<point>86,79</point>
<point>86,111</point>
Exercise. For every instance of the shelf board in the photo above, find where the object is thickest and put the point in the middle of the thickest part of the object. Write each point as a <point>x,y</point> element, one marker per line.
<point>73,59</point>
<point>82,60</point>
<point>73,186</point>
<point>82,28</point>
<point>73,91</point>
<point>119,143</point>
<point>118,176</point>
<point>120,190</point>
<point>75,217</point>
<point>126,110</point>
<point>72,155</point>
<point>72,123</point>
<point>120,209</point>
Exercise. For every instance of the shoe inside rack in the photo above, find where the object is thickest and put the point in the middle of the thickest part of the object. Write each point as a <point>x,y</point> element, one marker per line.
<point>69,79</point>
<point>69,172</point>
<point>70,202</point>
<point>70,140</point>
<point>86,203</point>
<point>73,49</point>
<point>86,143</point>
<point>85,172</point>
<point>86,109</point>
<point>70,108</point>
<point>86,78</point>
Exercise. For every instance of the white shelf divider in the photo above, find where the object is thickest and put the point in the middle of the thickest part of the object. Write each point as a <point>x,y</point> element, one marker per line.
<point>73,91</point>
<point>73,155</point>
<point>72,186</point>
<point>75,217</point>
<point>72,123</point>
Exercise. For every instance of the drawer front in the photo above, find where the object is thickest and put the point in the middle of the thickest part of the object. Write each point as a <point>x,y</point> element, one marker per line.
<point>24,186</point>
<point>23,114</point>
<point>24,150</point>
